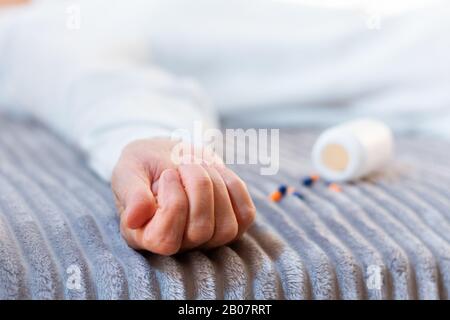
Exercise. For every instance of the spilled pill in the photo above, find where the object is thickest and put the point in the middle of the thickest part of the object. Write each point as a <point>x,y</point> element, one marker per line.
<point>276,196</point>
<point>310,180</point>
<point>334,187</point>
<point>282,189</point>
<point>307,182</point>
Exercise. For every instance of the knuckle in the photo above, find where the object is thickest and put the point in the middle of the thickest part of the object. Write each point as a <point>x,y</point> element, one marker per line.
<point>248,214</point>
<point>200,233</point>
<point>228,232</point>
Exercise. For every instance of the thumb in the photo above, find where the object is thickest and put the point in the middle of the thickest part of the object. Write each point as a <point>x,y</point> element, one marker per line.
<point>135,200</point>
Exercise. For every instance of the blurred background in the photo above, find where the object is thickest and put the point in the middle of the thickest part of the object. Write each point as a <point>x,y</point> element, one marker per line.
<point>286,62</point>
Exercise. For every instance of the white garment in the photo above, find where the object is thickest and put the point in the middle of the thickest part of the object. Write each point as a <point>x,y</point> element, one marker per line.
<point>264,63</point>
<point>91,85</point>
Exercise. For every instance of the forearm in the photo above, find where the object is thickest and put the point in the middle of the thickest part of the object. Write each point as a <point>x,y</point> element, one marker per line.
<point>99,99</point>
<point>121,108</point>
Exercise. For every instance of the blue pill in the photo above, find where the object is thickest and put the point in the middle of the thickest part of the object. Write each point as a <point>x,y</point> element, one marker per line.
<point>307,182</point>
<point>282,189</point>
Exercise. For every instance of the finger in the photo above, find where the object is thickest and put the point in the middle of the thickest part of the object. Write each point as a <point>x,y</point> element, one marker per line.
<point>226,226</point>
<point>164,233</point>
<point>132,236</point>
<point>131,187</point>
<point>199,190</point>
<point>240,198</point>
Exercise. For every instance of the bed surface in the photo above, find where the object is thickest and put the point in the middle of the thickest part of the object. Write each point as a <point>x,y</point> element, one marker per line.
<point>387,237</point>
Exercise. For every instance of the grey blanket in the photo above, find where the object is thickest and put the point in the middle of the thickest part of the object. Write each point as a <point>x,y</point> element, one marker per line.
<point>387,237</point>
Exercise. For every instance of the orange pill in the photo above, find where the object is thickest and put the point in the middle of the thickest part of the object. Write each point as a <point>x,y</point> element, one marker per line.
<point>315,177</point>
<point>276,196</point>
<point>334,187</point>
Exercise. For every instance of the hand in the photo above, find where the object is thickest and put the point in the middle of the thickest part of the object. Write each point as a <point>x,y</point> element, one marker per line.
<point>166,207</point>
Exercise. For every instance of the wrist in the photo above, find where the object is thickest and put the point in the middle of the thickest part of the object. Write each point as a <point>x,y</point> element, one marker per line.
<point>104,150</point>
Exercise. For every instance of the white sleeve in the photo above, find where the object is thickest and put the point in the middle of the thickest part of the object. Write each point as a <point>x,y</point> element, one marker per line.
<point>91,85</point>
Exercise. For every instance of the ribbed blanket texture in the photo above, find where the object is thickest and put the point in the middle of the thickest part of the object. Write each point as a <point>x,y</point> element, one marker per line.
<point>386,237</point>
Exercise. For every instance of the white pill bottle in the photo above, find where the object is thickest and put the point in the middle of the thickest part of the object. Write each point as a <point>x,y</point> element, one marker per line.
<point>352,150</point>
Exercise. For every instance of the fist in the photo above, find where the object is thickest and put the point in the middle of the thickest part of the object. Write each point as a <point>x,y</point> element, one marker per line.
<point>166,207</point>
